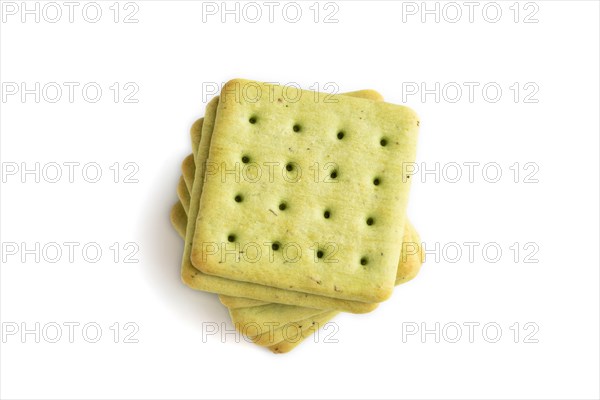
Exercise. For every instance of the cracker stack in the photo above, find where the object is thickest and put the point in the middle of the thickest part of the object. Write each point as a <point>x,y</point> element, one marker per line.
<point>292,207</point>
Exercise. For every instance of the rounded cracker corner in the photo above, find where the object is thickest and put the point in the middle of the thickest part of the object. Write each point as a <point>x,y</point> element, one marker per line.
<point>176,210</point>
<point>231,85</point>
<point>187,161</point>
<point>412,271</point>
<point>383,294</point>
<point>197,126</point>
<point>177,227</point>
<point>223,301</point>
<point>282,347</point>
<point>363,309</point>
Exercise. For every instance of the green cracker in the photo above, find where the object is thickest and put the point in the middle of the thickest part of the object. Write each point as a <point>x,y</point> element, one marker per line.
<point>366,141</point>
<point>179,220</point>
<point>200,281</point>
<point>284,318</point>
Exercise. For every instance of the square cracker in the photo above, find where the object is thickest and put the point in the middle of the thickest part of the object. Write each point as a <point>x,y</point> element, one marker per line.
<point>200,281</point>
<point>276,326</point>
<point>354,216</point>
<point>179,212</point>
<point>180,209</point>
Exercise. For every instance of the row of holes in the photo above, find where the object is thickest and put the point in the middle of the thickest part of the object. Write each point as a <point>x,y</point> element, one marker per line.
<point>290,167</point>
<point>275,246</point>
<point>340,135</point>
<point>282,206</point>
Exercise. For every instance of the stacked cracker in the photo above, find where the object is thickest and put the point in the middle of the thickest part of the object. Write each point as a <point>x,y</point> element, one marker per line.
<point>292,207</point>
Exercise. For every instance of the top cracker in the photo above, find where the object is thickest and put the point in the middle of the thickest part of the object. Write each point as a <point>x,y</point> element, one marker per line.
<point>305,191</point>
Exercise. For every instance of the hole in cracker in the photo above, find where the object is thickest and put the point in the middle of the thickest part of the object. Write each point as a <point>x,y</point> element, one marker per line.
<point>289,167</point>
<point>376,181</point>
<point>340,135</point>
<point>245,159</point>
<point>238,198</point>
<point>334,174</point>
<point>296,128</point>
<point>320,254</point>
<point>370,221</point>
<point>364,261</point>
<point>231,238</point>
<point>282,206</point>
<point>327,214</point>
<point>252,120</point>
<point>383,142</point>
<point>275,246</point>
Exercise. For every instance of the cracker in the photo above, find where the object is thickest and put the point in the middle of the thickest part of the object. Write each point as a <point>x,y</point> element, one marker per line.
<point>364,228</point>
<point>179,221</point>
<point>407,269</point>
<point>200,281</point>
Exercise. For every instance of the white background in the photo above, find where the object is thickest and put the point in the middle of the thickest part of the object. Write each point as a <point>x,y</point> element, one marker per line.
<point>171,54</point>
